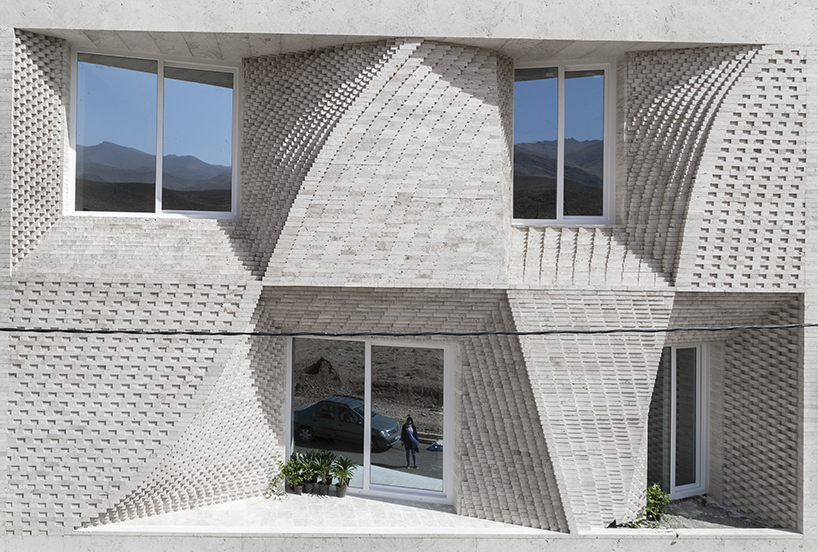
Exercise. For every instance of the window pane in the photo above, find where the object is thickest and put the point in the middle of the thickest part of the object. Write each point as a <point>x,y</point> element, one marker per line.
<point>116,134</point>
<point>584,133</point>
<point>407,381</point>
<point>328,391</point>
<point>535,143</point>
<point>686,416</point>
<point>197,143</point>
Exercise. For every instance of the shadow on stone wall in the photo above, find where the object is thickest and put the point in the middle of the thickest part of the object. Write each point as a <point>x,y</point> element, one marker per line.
<point>672,98</point>
<point>760,397</point>
<point>493,464</point>
<point>291,105</point>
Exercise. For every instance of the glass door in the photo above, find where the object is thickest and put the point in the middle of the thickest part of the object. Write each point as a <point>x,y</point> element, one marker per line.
<point>327,399</point>
<point>676,424</point>
<point>407,384</point>
<point>379,404</point>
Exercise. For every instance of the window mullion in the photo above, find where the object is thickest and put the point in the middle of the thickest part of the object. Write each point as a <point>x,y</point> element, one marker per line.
<point>160,124</point>
<point>672,420</point>
<point>560,142</point>
<point>367,413</point>
<point>699,419</point>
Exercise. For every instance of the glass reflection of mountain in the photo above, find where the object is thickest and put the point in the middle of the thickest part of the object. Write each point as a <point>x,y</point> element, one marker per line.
<point>111,177</point>
<point>535,173</point>
<point>583,160</point>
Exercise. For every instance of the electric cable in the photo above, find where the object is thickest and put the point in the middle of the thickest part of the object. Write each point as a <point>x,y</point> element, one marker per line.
<point>563,331</point>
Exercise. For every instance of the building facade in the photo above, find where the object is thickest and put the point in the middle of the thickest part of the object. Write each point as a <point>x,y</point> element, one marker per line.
<point>375,172</point>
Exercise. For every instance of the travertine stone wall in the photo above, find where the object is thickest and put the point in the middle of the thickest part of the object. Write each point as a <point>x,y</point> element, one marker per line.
<point>580,256</point>
<point>95,420</point>
<point>762,401</point>
<point>387,165</point>
<point>746,224</point>
<point>41,82</point>
<point>7,40</point>
<point>669,102</point>
<point>493,462</point>
<point>714,309</point>
<point>228,451</point>
<point>124,248</point>
<point>593,393</point>
<point>91,416</point>
<point>808,381</point>
<point>755,465</point>
<point>672,100</point>
<point>409,187</point>
<point>292,103</point>
<point>498,404</point>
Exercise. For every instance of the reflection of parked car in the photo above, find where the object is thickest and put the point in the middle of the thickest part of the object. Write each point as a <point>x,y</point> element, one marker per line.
<point>341,418</point>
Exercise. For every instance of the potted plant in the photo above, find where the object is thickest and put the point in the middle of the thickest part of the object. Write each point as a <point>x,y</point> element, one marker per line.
<point>292,472</point>
<point>310,470</point>
<point>289,473</point>
<point>326,459</point>
<point>342,469</point>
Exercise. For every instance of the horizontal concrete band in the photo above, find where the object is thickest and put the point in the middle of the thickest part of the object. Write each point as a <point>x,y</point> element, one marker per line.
<point>709,21</point>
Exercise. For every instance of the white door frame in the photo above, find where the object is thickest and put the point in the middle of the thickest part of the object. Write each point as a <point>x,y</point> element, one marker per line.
<point>702,423</point>
<point>385,491</point>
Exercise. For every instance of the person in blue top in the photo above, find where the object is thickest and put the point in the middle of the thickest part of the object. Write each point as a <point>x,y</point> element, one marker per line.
<point>409,438</point>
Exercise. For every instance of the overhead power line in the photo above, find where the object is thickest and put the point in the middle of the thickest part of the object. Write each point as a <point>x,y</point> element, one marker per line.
<point>560,331</point>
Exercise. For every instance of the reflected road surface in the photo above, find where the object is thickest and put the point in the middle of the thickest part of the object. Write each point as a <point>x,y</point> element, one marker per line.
<point>430,463</point>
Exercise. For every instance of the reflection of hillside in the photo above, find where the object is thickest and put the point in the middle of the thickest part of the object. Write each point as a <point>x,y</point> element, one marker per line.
<point>108,162</point>
<point>535,197</point>
<point>583,160</point>
<point>139,197</point>
<point>133,197</point>
<point>535,173</point>
<point>407,381</point>
<point>196,200</point>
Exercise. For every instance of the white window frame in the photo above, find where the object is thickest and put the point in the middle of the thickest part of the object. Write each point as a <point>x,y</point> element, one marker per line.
<point>702,433</point>
<point>69,197</point>
<point>609,147</point>
<point>387,491</point>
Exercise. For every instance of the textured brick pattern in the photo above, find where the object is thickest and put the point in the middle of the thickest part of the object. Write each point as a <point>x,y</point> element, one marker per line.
<point>746,228</point>
<point>292,104</point>
<point>41,79</point>
<point>754,409</point>
<point>497,401</point>
<point>492,459</point>
<point>579,256</point>
<point>7,39</point>
<point>708,309</point>
<point>670,102</point>
<point>593,393</point>
<point>387,165</point>
<point>120,249</point>
<point>227,452</point>
<point>808,382</point>
<point>672,99</point>
<point>409,187</point>
<point>92,415</point>
<point>762,399</point>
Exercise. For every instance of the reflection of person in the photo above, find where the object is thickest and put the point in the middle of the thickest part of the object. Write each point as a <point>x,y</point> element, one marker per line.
<point>409,438</point>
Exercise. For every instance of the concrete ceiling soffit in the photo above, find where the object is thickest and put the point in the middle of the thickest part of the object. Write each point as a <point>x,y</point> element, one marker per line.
<point>232,47</point>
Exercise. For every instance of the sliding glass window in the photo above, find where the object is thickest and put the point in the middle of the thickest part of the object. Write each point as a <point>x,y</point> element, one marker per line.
<point>128,111</point>
<point>354,398</point>
<point>563,145</point>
